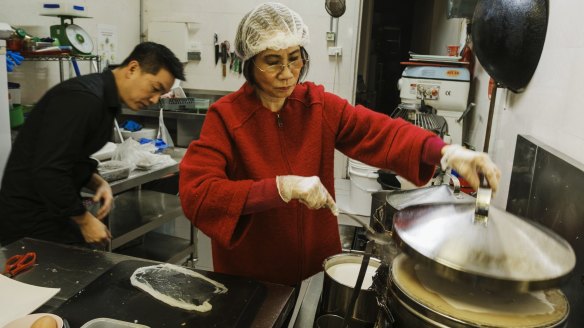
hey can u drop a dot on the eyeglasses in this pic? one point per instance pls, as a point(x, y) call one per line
point(278, 68)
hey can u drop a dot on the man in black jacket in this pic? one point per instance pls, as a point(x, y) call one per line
point(49, 162)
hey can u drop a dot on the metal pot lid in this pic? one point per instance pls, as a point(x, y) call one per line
point(499, 251)
point(440, 194)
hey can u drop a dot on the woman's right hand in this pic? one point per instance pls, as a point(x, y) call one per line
point(470, 164)
point(308, 190)
point(93, 230)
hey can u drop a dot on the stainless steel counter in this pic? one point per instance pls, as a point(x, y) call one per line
point(139, 177)
point(308, 299)
point(150, 112)
point(72, 269)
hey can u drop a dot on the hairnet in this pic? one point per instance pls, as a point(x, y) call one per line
point(269, 26)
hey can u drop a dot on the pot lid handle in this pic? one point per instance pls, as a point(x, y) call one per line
point(484, 194)
point(455, 183)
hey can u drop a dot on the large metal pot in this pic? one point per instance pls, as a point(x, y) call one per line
point(474, 265)
point(340, 272)
point(385, 204)
point(420, 298)
point(497, 251)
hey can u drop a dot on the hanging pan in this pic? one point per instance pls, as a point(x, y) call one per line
point(508, 38)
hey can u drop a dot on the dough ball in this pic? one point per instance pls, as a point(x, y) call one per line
point(45, 322)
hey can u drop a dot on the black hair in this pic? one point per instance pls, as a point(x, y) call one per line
point(153, 56)
point(248, 66)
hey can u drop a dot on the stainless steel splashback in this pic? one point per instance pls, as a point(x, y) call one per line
point(548, 187)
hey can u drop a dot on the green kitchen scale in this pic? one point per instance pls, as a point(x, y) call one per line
point(69, 34)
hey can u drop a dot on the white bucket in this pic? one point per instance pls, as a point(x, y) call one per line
point(363, 184)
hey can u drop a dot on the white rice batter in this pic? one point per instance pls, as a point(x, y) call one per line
point(174, 285)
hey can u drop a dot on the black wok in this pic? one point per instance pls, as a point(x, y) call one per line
point(508, 38)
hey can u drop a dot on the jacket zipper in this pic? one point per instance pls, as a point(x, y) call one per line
point(280, 123)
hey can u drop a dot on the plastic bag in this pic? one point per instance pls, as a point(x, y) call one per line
point(163, 132)
point(158, 143)
point(140, 156)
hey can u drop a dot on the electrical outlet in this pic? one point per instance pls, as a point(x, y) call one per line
point(335, 51)
point(194, 55)
point(330, 36)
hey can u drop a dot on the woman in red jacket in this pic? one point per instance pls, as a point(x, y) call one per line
point(259, 181)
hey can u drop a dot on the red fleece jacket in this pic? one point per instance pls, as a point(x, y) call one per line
point(243, 144)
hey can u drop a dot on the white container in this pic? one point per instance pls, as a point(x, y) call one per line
point(28, 320)
point(76, 8)
point(111, 323)
point(114, 170)
point(14, 96)
point(363, 184)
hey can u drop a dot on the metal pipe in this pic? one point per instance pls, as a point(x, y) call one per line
point(490, 118)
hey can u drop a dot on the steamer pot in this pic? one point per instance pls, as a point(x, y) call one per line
point(497, 251)
point(384, 204)
point(420, 298)
point(456, 255)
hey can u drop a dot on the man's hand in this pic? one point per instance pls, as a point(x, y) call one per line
point(103, 195)
point(93, 230)
point(308, 190)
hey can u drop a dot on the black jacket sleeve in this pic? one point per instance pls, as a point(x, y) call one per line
point(60, 164)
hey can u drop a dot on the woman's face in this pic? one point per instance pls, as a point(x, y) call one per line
point(276, 72)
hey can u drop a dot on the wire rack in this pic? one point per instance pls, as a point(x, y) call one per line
point(428, 121)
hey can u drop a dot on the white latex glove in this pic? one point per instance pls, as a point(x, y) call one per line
point(469, 164)
point(308, 190)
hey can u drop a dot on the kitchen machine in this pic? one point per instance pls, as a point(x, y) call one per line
point(435, 97)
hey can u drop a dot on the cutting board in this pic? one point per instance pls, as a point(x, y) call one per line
point(111, 295)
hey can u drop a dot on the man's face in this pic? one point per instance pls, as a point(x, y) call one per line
point(144, 89)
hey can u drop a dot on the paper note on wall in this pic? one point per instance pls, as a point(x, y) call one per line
point(107, 44)
point(173, 35)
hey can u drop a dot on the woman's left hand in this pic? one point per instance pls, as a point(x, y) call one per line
point(469, 164)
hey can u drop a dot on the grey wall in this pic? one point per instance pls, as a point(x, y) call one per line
point(37, 77)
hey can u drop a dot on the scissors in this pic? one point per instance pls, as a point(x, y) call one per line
point(19, 263)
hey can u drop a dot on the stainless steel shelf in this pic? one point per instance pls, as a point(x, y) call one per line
point(174, 114)
point(34, 57)
point(160, 247)
point(136, 213)
point(138, 178)
point(39, 57)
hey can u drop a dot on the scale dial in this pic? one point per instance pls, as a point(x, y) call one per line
point(79, 39)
